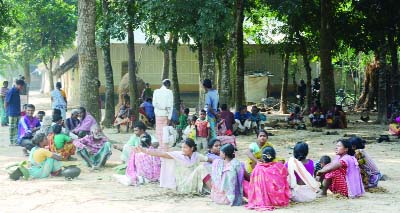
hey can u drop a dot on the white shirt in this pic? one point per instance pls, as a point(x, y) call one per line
point(163, 102)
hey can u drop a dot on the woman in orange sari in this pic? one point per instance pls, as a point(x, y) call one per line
point(268, 186)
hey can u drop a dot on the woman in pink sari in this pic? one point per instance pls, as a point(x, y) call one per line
point(268, 186)
point(142, 167)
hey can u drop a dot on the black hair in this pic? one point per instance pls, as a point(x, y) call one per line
point(149, 99)
point(297, 109)
point(145, 141)
point(41, 113)
point(57, 129)
point(224, 106)
point(211, 143)
point(242, 108)
point(190, 143)
point(203, 111)
point(126, 97)
point(31, 106)
point(325, 159)
point(194, 118)
point(166, 82)
point(39, 137)
point(346, 143)
point(56, 112)
point(269, 154)
point(207, 83)
point(228, 150)
point(82, 109)
point(186, 110)
point(57, 118)
point(358, 142)
point(140, 125)
point(58, 85)
point(262, 131)
point(20, 82)
point(300, 151)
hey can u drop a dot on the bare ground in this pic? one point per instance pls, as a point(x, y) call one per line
point(96, 191)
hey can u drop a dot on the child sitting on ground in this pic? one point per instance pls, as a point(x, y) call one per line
point(203, 130)
point(325, 160)
point(62, 143)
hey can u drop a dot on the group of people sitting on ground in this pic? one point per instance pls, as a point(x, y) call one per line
point(246, 122)
point(146, 110)
point(49, 139)
point(264, 180)
point(335, 118)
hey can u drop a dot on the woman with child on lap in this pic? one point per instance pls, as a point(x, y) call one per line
point(342, 176)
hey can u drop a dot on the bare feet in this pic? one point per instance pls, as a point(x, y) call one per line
point(321, 193)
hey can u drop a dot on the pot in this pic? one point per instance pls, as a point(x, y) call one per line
point(71, 172)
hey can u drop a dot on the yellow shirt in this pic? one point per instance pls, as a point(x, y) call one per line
point(41, 154)
point(63, 94)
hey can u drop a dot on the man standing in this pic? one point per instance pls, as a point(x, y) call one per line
point(59, 100)
point(13, 107)
point(163, 102)
point(211, 107)
point(3, 114)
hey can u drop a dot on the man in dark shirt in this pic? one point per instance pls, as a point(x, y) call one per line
point(13, 107)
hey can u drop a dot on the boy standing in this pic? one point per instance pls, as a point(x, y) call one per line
point(203, 130)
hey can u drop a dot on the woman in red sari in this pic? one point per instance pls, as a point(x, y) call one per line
point(268, 186)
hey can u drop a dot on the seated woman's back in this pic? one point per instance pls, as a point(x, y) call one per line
point(268, 186)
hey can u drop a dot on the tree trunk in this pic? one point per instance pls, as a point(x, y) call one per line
point(225, 91)
point(88, 67)
point(27, 75)
point(394, 93)
point(164, 47)
point(219, 63)
point(240, 98)
point(307, 67)
point(327, 77)
point(382, 87)
point(370, 86)
point(208, 69)
point(285, 79)
point(200, 59)
point(108, 71)
point(175, 81)
point(50, 75)
point(133, 89)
